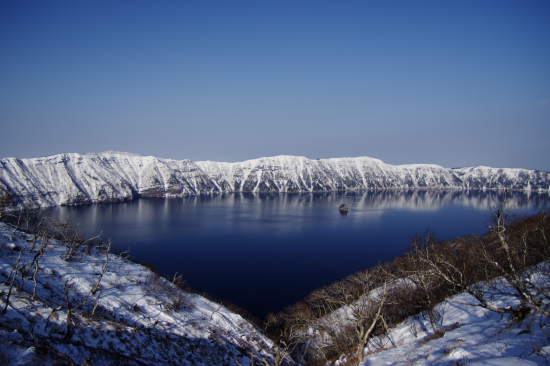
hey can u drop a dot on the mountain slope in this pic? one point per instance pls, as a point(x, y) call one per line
point(90, 307)
point(474, 336)
point(67, 179)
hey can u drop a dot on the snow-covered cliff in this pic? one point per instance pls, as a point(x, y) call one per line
point(299, 174)
point(67, 179)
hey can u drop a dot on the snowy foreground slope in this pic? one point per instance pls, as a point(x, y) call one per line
point(135, 318)
point(67, 179)
point(474, 336)
point(469, 334)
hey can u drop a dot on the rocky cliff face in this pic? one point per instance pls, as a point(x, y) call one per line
point(68, 179)
point(299, 174)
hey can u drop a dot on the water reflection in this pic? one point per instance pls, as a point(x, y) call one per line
point(265, 251)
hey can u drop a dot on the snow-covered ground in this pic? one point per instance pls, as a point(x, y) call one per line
point(474, 336)
point(136, 318)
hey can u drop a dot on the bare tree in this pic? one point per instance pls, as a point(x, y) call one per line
point(11, 280)
point(512, 253)
point(470, 263)
point(367, 312)
point(289, 330)
point(71, 306)
point(414, 271)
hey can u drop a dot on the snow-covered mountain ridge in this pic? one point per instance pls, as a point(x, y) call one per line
point(67, 179)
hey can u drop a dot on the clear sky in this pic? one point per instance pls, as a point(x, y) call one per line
point(454, 83)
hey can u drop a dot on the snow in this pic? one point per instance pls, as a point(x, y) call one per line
point(67, 179)
point(476, 336)
point(471, 334)
point(118, 152)
point(136, 317)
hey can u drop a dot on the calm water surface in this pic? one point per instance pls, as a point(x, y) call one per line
point(264, 252)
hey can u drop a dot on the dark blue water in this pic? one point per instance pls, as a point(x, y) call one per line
point(264, 252)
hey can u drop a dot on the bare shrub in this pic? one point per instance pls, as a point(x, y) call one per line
point(156, 284)
point(179, 300)
point(176, 298)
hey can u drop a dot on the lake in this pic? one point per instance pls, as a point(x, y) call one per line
point(266, 251)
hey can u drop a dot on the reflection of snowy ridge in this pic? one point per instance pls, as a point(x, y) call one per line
point(430, 200)
point(107, 177)
point(371, 202)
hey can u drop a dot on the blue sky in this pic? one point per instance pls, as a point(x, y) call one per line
point(454, 83)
